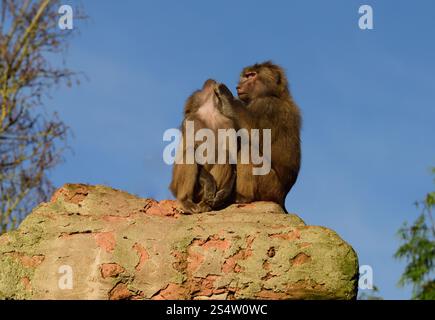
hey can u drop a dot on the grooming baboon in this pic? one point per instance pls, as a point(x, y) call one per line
point(201, 188)
point(263, 88)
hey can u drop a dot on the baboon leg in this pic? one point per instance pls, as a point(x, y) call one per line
point(270, 188)
point(207, 190)
point(245, 184)
point(223, 195)
point(189, 206)
point(208, 186)
point(203, 207)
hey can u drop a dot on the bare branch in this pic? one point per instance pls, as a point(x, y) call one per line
point(31, 142)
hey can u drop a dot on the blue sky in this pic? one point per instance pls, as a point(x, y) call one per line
point(367, 98)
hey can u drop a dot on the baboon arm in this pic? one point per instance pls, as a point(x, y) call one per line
point(222, 196)
point(183, 181)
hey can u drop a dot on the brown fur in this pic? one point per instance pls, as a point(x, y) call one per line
point(263, 88)
point(203, 188)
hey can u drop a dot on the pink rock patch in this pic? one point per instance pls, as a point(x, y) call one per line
point(166, 208)
point(106, 241)
point(143, 256)
point(111, 270)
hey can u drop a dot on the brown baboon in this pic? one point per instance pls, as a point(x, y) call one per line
point(263, 88)
point(201, 188)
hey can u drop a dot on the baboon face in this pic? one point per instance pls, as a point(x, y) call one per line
point(205, 96)
point(206, 104)
point(261, 80)
point(211, 95)
point(207, 93)
point(247, 86)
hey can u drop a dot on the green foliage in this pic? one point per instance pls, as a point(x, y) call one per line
point(418, 250)
point(373, 295)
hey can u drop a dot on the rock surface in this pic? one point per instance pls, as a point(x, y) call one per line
point(94, 242)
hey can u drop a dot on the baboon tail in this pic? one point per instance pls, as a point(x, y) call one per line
point(282, 204)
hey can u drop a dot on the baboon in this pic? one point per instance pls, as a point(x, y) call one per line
point(201, 188)
point(268, 104)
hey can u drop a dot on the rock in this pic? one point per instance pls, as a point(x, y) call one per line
point(94, 242)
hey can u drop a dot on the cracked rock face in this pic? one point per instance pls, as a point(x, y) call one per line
point(94, 242)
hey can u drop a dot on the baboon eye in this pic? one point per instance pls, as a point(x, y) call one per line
point(250, 74)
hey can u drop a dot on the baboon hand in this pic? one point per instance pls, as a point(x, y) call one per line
point(225, 98)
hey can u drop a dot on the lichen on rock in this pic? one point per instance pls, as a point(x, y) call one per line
point(119, 246)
